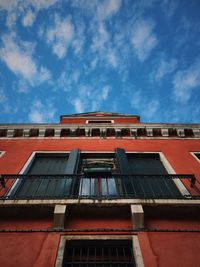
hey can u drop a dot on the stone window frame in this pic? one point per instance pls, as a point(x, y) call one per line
point(134, 238)
point(194, 155)
point(2, 153)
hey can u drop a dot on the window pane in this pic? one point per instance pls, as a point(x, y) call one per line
point(108, 187)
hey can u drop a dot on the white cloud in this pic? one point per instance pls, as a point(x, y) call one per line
point(101, 37)
point(79, 38)
point(164, 67)
point(185, 81)
point(17, 55)
point(105, 91)
point(25, 10)
point(60, 36)
point(108, 8)
point(5, 106)
point(101, 10)
point(67, 80)
point(89, 98)
point(143, 38)
point(146, 107)
point(28, 19)
point(41, 113)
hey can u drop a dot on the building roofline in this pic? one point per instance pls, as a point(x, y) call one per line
point(98, 114)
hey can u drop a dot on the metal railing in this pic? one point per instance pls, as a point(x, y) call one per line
point(15, 186)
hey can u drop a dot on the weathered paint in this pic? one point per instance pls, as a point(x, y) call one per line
point(170, 249)
point(28, 249)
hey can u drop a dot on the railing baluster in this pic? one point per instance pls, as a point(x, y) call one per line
point(74, 186)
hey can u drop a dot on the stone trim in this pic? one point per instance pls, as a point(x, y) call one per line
point(134, 238)
point(137, 216)
point(146, 202)
point(59, 216)
point(133, 129)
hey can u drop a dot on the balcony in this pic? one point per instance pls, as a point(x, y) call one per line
point(42, 187)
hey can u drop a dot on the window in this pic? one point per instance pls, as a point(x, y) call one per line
point(147, 176)
point(98, 170)
point(100, 121)
point(96, 175)
point(89, 253)
point(196, 155)
point(2, 153)
point(40, 177)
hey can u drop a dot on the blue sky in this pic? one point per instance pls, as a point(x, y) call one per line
point(61, 57)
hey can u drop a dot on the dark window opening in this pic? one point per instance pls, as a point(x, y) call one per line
point(91, 253)
point(172, 132)
point(49, 132)
point(34, 132)
point(65, 133)
point(80, 132)
point(100, 121)
point(197, 155)
point(95, 132)
point(188, 132)
point(157, 132)
point(110, 132)
point(18, 133)
point(3, 133)
point(125, 132)
point(141, 132)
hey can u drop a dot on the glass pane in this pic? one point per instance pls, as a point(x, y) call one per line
point(87, 187)
point(108, 187)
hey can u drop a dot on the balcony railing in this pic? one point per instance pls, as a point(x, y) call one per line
point(79, 186)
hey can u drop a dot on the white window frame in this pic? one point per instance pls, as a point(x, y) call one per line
point(2, 153)
point(135, 245)
point(194, 155)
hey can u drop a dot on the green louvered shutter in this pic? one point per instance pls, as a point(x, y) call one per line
point(150, 186)
point(124, 168)
point(50, 187)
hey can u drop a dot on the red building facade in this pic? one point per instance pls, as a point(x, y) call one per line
point(100, 189)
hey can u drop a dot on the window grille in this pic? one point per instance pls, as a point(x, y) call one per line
point(98, 253)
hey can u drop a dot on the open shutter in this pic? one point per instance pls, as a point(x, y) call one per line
point(122, 161)
point(125, 181)
point(72, 168)
point(73, 162)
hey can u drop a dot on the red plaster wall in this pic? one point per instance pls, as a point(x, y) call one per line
point(170, 249)
point(114, 217)
point(28, 249)
point(83, 120)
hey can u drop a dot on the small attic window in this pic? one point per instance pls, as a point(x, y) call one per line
point(99, 121)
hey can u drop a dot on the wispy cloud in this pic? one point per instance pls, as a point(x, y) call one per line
point(40, 113)
point(89, 98)
point(26, 11)
point(108, 8)
point(60, 35)
point(169, 7)
point(162, 68)
point(143, 38)
point(143, 105)
point(186, 80)
point(18, 57)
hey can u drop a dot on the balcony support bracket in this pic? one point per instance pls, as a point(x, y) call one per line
point(137, 215)
point(59, 216)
